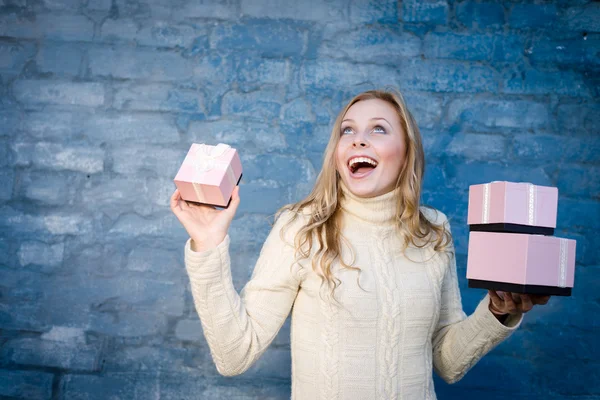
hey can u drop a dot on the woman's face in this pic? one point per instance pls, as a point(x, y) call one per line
point(371, 150)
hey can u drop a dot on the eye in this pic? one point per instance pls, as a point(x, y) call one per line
point(379, 129)
point(346, 131)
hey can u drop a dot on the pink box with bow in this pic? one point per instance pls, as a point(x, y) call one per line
point(513, 203)
point(209, 174)
point(521, 263)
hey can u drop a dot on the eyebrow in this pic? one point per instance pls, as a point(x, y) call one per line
point(372, 119)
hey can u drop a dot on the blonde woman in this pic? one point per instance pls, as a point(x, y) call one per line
point(368, 273)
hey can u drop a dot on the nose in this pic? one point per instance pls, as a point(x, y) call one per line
point(359, 143)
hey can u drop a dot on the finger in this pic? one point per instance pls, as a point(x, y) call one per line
point(510, 305)
point(174, 202)
point(235, 202)
point(540, 299)
point(496, 300)
point(526, 303)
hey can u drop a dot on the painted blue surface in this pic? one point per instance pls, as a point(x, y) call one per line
point(100, 100)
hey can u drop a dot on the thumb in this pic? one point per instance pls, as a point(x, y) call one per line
point(235, 202)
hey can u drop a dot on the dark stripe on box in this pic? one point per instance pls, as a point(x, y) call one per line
point(512, 228)
point(519, 288)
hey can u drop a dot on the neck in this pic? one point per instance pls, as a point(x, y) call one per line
point(379, 210)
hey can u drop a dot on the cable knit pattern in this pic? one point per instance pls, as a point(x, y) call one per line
point(330, 338)
point(382, 343)
point(389, 321)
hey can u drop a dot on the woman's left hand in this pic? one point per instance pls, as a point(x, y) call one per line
point(503, 303)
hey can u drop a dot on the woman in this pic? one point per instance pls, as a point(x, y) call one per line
point(369, 274)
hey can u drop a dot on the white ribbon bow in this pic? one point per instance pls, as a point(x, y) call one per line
point(205, 157)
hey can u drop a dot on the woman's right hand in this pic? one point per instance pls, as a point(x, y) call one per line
point(206, 225)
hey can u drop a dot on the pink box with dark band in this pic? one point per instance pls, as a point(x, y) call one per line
point(209, 174)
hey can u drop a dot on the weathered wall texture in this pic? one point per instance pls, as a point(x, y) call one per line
point(101, 99)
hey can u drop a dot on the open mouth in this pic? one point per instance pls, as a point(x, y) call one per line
point(361, 165)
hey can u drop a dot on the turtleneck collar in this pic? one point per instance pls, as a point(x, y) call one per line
point(375, 210)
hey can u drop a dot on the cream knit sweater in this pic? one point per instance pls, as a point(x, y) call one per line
point(382, 343)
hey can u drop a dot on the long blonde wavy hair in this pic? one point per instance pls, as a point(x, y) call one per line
point(322, 236)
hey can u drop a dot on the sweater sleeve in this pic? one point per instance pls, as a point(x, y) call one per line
point(239, 328)
point(460, 341)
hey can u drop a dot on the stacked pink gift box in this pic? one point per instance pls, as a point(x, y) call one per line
point(209, 174)
point(511, 247)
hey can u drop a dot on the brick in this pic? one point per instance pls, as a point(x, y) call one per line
point(269, 38)
point(252, 137)
point(140, 385)
point(533, 16)
point(142, 128)
point(261, 105)
point(480, 15)
point(159, 225)
point(157, 97)
point(99, 5)
point(336, 74)
point(579, 118)
point(14, 56)
point(62, 4)
point(446, 76)
point(106, 294)
point(227, 9)
point(40, 253)
point(567, 83)
point(478, 146)
point(7, 179)
point(58, 157)
point(578, 213)
point(155, 261)
point(215, 69)
point(373, 11)
point(376, 45)
point(583, 18)
point(47, 353)
point(298, 110)
point(574, 52)
point(133, 63)
point(425, 108)
point(282, 169)
point(130, 324)
point(521, 114)
point(263, 71)
point(189, 330)
point(26, 384)
point(47, 224)
point(48, 26)
point(156, 34)
point(465, 174)
point(162, 358)
point(64, 334)
point(59, 59)
point(261, 198)
point(311, 10)
point(53, 125)
point(11, 121)
point(49, 188)
point(103, 260)
point(427, 11)
point(32, 92)
point(435, 142)
point(132, 160)
point(553, 148)
point(470, 46)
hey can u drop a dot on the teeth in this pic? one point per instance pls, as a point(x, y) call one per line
point(362, 159)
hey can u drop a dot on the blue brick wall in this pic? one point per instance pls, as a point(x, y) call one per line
point(99, 101)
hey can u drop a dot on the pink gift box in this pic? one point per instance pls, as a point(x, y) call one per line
point(209, 174)
point(513, 203)
point(521, 263)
